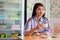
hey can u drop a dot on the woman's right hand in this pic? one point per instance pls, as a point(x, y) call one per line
point(39, 26)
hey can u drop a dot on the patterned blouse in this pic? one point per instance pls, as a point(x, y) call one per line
point(33, 22)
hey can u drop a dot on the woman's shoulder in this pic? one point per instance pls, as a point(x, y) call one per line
point(45, 18)
point(30, 19)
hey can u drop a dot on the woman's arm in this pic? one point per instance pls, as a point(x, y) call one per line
point(30, 32)
point(28, 28)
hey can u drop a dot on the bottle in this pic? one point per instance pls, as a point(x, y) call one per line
point(2, 35)
point(5, 36)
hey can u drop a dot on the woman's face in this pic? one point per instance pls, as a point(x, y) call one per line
point(40, 11)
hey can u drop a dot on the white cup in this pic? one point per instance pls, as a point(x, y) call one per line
point(45, 25)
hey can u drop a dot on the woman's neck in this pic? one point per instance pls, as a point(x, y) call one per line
point(38, 17)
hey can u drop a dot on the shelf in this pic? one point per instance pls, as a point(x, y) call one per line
point(14, 1)
point(13, 19)
point(8, 30)
point(10, 9)
point(4, 18)
point(2, 8)
point(3, 0)
point(10, 18)
point(18, 38)
point(9, 39)
point(1, 4)
point(12, 4)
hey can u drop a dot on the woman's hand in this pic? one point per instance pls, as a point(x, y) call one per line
point(39, 26)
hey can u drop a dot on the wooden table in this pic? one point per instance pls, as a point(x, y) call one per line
point(39, 38)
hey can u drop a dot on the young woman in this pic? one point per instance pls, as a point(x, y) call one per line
point(38, 24)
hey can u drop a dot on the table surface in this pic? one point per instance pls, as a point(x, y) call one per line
point(39, 38)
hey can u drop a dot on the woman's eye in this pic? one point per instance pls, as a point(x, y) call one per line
point(39, 9)
point(42, 9)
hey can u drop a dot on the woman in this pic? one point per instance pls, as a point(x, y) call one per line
point(38, 24)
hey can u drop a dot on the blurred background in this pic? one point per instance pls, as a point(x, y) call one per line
point(11, 19)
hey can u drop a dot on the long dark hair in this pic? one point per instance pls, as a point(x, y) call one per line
point(35, 7)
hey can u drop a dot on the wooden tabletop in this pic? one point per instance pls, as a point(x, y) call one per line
point(39, 38)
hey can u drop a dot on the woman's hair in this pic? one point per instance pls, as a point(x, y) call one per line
point(35, 7)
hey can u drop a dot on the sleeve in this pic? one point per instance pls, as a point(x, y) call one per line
point(46, 24)
point(28, 26)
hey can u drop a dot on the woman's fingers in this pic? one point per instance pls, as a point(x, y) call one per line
point(39, 26)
